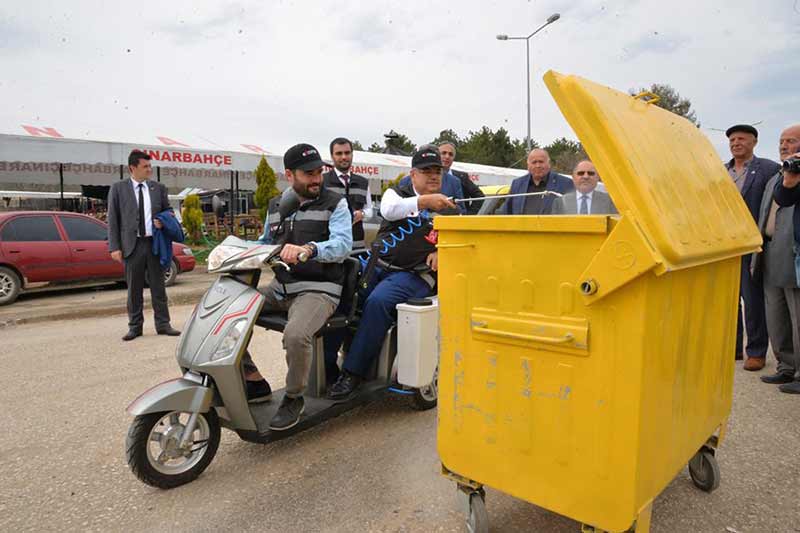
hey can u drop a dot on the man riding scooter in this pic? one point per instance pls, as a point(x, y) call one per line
point(320, 229)
point(406, 244)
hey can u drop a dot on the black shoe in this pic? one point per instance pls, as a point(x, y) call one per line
point(288, 414)
point(790, 388)
point(258, 391)
point(345, 387)
point(132, 334)
point(778, 378)
point(169, 330)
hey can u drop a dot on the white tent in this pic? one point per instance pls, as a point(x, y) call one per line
point(42, 157)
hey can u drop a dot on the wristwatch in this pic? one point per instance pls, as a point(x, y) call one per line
point(313, 250)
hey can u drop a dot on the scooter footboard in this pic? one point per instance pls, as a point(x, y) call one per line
point(178, 394)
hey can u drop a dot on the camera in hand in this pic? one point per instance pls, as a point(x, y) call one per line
point(792, 165)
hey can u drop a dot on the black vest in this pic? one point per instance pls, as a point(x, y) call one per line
point(308, 223)
point(406, 243)
point(356, 195)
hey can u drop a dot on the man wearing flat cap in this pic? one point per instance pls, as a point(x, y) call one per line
point(750, 174)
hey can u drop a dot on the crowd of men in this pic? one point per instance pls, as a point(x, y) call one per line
point(327, 227)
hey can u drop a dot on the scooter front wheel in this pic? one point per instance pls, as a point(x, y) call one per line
point(427, 397)
point(154, 452)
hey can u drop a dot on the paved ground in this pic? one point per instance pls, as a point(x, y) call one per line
point(65, 385)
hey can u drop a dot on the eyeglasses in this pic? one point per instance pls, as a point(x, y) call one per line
point(586, 173)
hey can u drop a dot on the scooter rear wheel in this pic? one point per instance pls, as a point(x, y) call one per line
point(426, 398)
point(153, 452)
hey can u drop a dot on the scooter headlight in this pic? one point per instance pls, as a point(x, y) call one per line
point(228, 344)
point(219, 254)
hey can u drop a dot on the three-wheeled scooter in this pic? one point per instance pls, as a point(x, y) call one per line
point(176, 429)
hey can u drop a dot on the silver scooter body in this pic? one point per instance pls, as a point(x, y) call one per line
point(211, 392)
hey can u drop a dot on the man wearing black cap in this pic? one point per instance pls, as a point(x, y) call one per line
point(401, 273)
point(750, 174)
point(321, 229)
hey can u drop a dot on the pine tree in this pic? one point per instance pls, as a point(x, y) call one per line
point(266, 188)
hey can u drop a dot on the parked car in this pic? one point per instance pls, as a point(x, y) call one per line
point(62, 248)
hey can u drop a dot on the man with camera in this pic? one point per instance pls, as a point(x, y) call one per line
point(787, 194)
point(775, 265)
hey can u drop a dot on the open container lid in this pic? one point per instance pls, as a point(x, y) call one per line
point(661, 172)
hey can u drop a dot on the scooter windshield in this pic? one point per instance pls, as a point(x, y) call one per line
point(236, 254)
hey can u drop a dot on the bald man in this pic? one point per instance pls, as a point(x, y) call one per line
point(776, 264)
point(540, 178)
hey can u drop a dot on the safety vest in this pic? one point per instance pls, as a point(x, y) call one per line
point(356, 195)
point(309, 223)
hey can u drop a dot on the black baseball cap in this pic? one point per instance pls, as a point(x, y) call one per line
point(302, 157)
point(745, 128)
point(426, 156)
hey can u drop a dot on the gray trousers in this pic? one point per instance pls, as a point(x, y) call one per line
point(783, 313)
point(140, 263)
point(307, 313)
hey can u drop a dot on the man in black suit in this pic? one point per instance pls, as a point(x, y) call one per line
point(132, 206)
point(353, 187)
point(750, 174)
point(448, 153)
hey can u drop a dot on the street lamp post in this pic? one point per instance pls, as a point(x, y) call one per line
point(551, 19)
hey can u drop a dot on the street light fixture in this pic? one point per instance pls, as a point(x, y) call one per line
point(503, 37)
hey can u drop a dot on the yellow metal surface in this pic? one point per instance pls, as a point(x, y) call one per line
point(588, 404)
point(660, 168)
point(494, 190)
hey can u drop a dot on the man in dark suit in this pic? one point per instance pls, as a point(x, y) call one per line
point(132, 206)
point(585, 199)
point(470, 189)
point(353, 187)
point(538, 179)
point(750, 174)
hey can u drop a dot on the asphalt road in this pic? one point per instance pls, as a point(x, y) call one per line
point(65, 385)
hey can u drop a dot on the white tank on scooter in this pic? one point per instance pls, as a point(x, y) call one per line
point(417, 341)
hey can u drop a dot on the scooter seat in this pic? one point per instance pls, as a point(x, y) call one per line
point(277, 322)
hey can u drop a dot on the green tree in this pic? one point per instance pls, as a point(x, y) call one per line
point(392, 183)
point(394, 143)
point(565, 154)
point(192, 217)
point(266, 187)
point(447, 136)
point(488, 147)
point(669, 99)
point(357, 146)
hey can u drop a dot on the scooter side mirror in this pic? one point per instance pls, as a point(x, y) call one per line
point(288, 203)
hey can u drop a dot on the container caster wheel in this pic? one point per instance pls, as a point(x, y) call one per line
point(704, 470)
point(477, 517)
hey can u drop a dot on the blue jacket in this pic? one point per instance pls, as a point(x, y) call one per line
point(163, 238)
point(451, 187)
point(758, 174)
point(555, 182)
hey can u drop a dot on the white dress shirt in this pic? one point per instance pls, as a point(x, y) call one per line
point(395, 207)
point(148, 211)
point(579, 196)
point(367, 209)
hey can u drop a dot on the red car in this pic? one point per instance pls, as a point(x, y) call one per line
point(60, 247)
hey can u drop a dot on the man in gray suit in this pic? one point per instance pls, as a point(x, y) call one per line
point(776, 264)
point(132, 206)
point(585, 199)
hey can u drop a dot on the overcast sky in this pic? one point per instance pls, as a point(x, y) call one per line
point(276, 73)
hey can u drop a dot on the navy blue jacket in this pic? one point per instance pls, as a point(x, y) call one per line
point(758, 174)
point(451, 187)
point(786, 198)
point(555, 182)
point(163, 238)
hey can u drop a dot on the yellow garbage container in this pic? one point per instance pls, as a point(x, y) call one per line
point(585, 360)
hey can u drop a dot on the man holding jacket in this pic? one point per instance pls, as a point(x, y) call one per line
point(133, 205)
